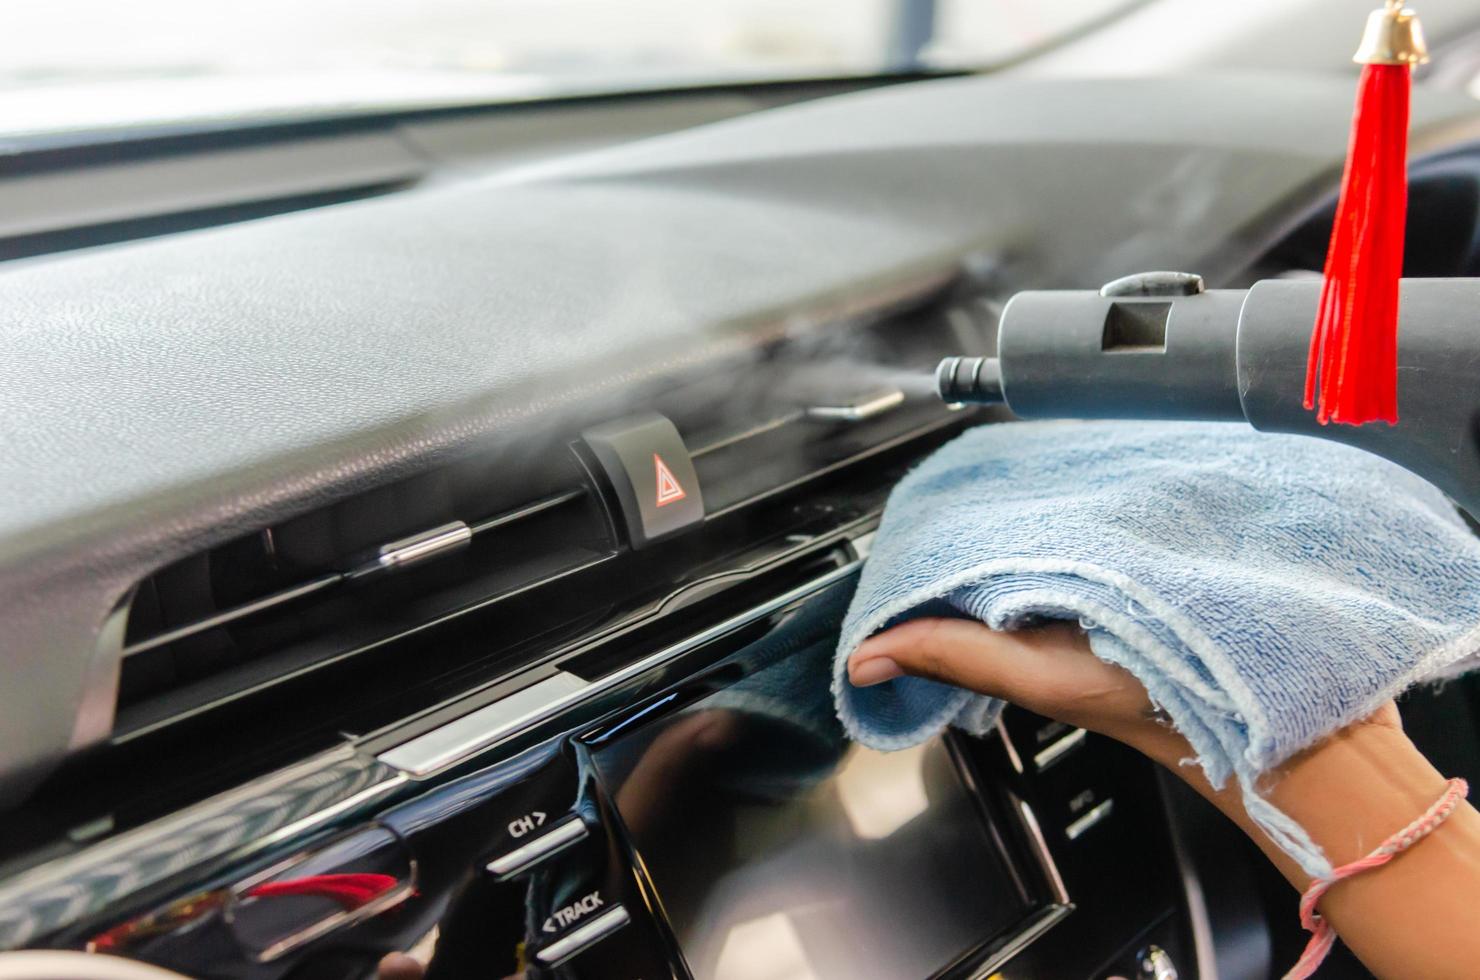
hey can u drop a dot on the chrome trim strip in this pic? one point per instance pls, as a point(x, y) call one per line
point(1080, 827)
point(1012, 752)
point(1042, 853)
point(1057, 750)
point(485, 727)
point(527, 855)
point(584, 936)
point(491, 723)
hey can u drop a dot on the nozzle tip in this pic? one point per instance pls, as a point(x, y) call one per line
point(975, 380)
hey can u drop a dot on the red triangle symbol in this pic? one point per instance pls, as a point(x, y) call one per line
point(669, 490)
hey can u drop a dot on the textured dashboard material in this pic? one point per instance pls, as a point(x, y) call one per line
point(161, 397)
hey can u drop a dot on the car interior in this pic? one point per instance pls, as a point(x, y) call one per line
point(427, 525)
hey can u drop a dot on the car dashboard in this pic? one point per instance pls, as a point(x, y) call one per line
point(455, 572)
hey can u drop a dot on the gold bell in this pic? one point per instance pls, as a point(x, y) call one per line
point(1393, 37)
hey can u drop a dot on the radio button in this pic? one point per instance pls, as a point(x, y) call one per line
point(584, 936)
point(1059, 748)
point(536, 849)
point(1095, 815)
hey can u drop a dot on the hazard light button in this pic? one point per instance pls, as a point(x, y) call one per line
point(651, 473)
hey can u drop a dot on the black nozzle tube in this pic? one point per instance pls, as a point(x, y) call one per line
point(1233, 355)
point(969, 380)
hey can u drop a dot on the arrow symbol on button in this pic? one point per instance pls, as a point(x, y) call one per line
point(550, 924)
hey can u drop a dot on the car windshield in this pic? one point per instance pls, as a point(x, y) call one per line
point(82, 64)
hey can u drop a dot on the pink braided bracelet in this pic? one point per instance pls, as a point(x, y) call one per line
point(1323, 937)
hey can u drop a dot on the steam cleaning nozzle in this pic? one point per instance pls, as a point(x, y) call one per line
point(973, 380)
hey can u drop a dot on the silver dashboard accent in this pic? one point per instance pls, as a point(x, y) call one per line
point(485, 727)
point(527, 855)
point(458, 739)
point(1041, 851)
point(584, 936)
point(1012, 753)
point(1081, 826)
point(1058, 749)
point(424, 546)
point(868, 406)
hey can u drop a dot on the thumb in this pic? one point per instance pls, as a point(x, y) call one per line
point(1024, 666)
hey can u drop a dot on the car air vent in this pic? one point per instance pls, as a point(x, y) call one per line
point(823, 401)
point(512, 537)
point(299, 595)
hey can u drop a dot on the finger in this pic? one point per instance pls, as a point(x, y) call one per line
point(1026, 666)
point(399, 966)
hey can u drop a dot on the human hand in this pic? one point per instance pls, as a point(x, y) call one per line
point(1048, 669)
point(1412, 917)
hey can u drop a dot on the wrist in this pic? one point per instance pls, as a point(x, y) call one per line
point(1355, 788)
point(1413, 916)
point(1348, 791)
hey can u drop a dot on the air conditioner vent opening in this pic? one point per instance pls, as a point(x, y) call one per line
point(442, 553)
point(285, 600)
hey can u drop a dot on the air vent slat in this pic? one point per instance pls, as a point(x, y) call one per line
point(519, 514)
point(322, 582)
point(236, 613)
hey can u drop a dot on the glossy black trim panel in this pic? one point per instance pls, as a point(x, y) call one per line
point(460, 740)
point(276, 809)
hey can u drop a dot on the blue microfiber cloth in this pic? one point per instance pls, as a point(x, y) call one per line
point(1266, 589)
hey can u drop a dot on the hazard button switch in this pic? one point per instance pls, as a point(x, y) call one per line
point(652, 474)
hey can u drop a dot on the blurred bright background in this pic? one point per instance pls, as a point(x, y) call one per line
point(92, 61)
point(77, 64)
point(56, 41)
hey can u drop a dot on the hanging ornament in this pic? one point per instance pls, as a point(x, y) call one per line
point(1352, 374)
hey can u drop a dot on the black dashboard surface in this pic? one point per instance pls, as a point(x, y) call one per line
point(165, 396)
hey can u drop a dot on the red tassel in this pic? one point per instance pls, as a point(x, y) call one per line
point(1352, 373)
